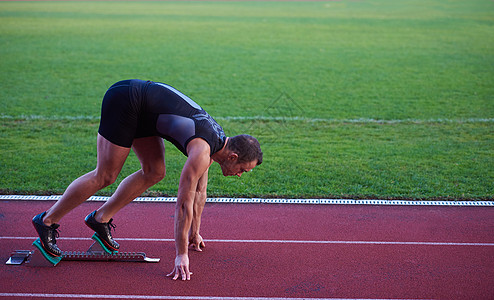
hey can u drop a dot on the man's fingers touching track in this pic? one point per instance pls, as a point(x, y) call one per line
point(185, 273)
point(197, 246)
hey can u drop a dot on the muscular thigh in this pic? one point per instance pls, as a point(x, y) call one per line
point(111, 157)
point(151, 153)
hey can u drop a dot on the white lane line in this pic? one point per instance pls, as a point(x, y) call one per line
point(272, 201)
point(273, 241)
point(88, 296)
point(354, 242)
point(356, 120)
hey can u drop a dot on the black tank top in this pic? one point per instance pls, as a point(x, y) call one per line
point(174, 116)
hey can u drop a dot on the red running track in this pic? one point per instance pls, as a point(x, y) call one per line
point(267, 251)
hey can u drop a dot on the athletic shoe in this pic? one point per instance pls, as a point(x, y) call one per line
point(103, 230)
point(47, 235)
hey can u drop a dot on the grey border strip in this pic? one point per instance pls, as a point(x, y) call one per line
point(274, 201)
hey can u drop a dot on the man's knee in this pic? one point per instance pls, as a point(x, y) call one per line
point(105, 179)
point(155, 174)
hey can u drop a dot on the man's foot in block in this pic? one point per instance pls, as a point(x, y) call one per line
point(47, 235)
point(103, 230)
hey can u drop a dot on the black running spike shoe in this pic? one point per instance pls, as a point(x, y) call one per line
point(103, 230)
point(47, 235)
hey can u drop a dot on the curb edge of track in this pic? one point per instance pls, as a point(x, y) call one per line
point(274, 201)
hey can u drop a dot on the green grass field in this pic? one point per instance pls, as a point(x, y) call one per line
point(349, 99)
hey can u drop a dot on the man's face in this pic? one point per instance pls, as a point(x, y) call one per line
point(233, 168)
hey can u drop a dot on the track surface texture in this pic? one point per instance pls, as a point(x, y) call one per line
point(274, 251)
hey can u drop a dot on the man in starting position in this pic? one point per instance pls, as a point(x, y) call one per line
point(138, 114)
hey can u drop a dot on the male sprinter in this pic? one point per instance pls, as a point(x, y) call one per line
point(137, 114)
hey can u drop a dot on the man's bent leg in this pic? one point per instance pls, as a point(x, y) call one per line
point(109, 164)
point(151, 153)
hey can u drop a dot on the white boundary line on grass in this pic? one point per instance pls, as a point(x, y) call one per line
point(273, 201)
point(274, 119)
point(358, 120)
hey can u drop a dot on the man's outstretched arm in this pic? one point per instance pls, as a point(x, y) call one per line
point(195, 239)
point(196, 165)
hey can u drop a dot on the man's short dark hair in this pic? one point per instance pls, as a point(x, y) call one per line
point(246, 147)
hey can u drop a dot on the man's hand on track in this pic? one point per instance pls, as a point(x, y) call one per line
point(181, 268)
point(196, 242)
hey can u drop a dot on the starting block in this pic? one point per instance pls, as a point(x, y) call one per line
point(96, 252)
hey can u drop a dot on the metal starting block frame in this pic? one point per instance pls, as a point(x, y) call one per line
point(34, 258)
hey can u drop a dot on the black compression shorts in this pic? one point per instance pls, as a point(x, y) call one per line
point(120, 114)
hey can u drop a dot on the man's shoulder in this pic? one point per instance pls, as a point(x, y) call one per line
point(198, 147)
